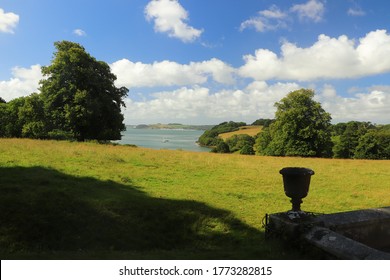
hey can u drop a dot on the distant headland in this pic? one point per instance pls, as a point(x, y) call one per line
point(171, 126)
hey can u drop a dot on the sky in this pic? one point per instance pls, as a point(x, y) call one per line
point(209, 61)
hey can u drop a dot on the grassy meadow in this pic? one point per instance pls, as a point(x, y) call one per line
point(63, 200)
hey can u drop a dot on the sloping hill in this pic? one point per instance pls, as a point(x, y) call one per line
point(249, 130)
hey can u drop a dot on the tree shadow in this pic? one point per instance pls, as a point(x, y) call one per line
point(48, 214)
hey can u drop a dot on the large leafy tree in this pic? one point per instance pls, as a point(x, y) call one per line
point(301, 128)
point(80, 97)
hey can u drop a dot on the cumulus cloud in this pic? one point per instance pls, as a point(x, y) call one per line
point(24, 81)
point(328, 58)
point(8, 21)
point(202, 105)
point(79, 32)
point(170, 17)
point(371, 105)
point(169, 73)
point(312, 10)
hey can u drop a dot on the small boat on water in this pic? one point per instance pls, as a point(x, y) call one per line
point(165, 140)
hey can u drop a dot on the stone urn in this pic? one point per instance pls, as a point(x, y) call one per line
point(296, 181)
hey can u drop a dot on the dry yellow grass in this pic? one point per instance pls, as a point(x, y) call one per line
point(249, 130)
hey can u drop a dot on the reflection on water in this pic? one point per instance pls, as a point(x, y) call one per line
point(163, 139)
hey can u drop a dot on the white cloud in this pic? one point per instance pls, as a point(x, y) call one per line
point(274, 18)
point(258, 23)
point(164, 73)
point(273, 12)
point(79, 32)
point(312, 10)
point(170, 17)
point(372, 105)
point(8, 21)
point(270, 19)
point(220, 71)
point(328, 58)
point(169, 73)
point(24, 82)
point(201, 105)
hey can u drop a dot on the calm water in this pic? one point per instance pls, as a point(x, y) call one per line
point(163, 139)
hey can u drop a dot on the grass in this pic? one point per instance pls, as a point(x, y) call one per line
point(249, 130)
point(62, 200)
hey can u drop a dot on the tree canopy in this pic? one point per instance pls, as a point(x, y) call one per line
point(301, 128)
point(78, 100)
point(80, 97)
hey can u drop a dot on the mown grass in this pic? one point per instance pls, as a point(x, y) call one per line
point(67, 200)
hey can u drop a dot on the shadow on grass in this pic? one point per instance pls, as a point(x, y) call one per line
point(46, 214)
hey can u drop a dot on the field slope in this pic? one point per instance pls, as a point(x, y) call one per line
point(83, 200)
point(249, 130)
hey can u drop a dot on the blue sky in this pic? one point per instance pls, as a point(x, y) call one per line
point(208, 61)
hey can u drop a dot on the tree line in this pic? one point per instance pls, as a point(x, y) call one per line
point(303, 128)
point(77, 101)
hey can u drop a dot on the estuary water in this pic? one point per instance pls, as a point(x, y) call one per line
point(172, 139)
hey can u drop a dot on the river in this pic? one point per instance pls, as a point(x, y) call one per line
point(172, 139)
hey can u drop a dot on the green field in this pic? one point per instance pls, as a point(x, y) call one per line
point(248, 130)
point(63, 200)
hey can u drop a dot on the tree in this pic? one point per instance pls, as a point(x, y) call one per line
point(221, 147)
point(375, 144)
point(263, 122)
point(80, 97)
point(3, 120)
point(247, 150)
point(301, 128)
point(347, 137)
point(11, 123)
point(236, 143)
point(32, 117)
